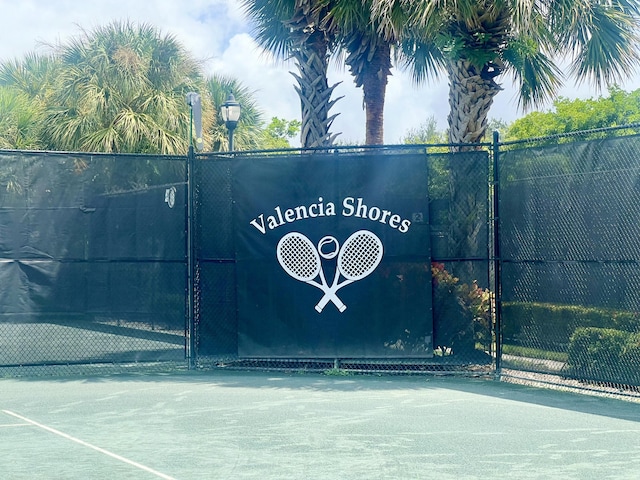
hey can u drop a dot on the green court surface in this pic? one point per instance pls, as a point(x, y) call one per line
point(236, 425)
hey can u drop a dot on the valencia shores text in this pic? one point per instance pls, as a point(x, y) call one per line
point(351, 207)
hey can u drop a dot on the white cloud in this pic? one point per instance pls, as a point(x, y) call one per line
point(271, 81)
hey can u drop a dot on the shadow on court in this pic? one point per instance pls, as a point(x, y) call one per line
point(273, 425)
point(582, 403)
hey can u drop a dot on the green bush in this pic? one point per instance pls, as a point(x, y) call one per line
point(461, 313)
point(604, 354)
point(550, 326)
point(630, 360)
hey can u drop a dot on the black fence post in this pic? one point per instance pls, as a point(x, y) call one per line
point(497, 282)
point(191, 267)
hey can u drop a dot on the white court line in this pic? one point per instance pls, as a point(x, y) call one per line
point(88, 445)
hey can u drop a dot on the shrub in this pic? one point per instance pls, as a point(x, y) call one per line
point(630, 360)
point(550, 326)
point(462, 313)
point(604, 354)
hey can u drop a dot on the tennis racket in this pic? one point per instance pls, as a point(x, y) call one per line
point(360, 255)
point(300, 259)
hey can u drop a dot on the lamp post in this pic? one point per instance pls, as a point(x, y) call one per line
point(230, 112)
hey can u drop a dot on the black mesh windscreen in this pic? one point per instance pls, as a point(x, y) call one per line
point(93, 257)
point(569, 229)
point(246, 277)
point(216, 319)
point(446, 203)
point(570, 223)
point(459, 226)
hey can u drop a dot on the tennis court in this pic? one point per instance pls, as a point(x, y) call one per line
point(226, 425)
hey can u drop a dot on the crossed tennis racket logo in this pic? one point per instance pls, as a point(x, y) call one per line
point(360, 254)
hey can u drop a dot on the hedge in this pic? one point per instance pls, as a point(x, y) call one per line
point(604, 354)
point(550, 326)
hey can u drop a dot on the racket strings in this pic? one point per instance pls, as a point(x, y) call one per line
point(299, 257)
point(361, 254)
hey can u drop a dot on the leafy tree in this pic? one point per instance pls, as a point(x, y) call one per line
point(427, 133)
point(276, 135)
point(248, 133)
point(121, 88)
point(25, 88)
point(293, 28)
point(475, 42)
point(617, 109)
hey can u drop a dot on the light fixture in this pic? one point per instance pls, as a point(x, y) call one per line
point(230, 113)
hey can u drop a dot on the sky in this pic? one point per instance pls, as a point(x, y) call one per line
point(217, 32)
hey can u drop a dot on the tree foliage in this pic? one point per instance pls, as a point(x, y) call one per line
point(248, 133)
point(427, 133)
point(475, 42)
point(617, 109)
point(121, 88)
point(117, 88)
point(278, 133)
point(20, 120)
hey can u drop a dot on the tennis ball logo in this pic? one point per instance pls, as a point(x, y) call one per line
point(358, 257)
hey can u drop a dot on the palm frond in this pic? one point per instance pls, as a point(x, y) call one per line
point(606, 47)
point(269, 24)
point(249, 132)
point(423, 59)
point(537, 76)
point(118, 86)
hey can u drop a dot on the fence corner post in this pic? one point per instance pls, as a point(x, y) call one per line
point(191, 266)
point(497, 282)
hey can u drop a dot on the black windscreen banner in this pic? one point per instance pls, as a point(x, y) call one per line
point(333, 256)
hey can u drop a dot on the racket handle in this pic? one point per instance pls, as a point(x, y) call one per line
point(330, 296)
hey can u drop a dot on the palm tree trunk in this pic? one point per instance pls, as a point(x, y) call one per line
point(369, 62)
point(315, 94)
point(470, 97)
point(374, 87)
point(310, 52)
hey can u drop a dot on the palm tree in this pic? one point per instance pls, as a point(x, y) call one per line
point(248, 134)
point(368, 55)
point(25, 89)
point(121, 88)
point(475, 42)
point(20, 120)
point(34, 75)
point(293, 28)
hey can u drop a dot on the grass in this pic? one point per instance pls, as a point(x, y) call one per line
point(537, 353)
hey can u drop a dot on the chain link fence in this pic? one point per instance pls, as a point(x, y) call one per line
point(570, 257)
point(215, 321)
point(92, 261)
point(457, 278)
point(533, 261)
